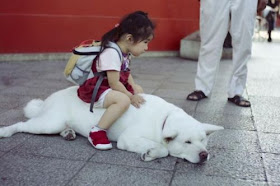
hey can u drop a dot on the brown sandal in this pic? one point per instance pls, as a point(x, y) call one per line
point(196, 96)
point(240, 101)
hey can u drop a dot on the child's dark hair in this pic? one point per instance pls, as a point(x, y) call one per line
point(137, 24)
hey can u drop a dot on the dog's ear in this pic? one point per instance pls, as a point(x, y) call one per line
point(169, 134)
point(209, 128)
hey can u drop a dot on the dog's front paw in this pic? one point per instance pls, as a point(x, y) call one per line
point(68, 134)
point(147, 156)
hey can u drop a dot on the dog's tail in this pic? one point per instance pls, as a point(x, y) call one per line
point(33, 108)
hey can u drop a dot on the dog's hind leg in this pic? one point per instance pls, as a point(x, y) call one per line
point(9, 130)
point(68, 134)
point(39, 125)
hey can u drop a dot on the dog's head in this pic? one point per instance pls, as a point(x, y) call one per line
point(186, 137)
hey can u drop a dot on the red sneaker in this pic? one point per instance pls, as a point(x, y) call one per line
point(99, 140)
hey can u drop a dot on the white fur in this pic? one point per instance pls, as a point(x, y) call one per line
point(33, 108)
point(155, 130)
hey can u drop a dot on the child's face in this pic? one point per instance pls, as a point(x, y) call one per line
point(140, 47)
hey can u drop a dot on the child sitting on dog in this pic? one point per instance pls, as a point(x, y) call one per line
point(118, 90)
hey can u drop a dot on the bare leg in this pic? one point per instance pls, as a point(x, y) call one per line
point(116, 103)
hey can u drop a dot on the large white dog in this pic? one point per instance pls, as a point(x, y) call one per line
point(155, 130)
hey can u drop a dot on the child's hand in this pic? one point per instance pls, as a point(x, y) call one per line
point(137, 100)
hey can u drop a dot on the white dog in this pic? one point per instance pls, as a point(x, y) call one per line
point(155, 130)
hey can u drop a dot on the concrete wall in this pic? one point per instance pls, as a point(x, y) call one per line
point(40, 26)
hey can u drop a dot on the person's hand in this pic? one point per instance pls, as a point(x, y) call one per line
point(137, 100)
point(261, 5)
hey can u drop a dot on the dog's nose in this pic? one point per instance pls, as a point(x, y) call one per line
point(203, 156)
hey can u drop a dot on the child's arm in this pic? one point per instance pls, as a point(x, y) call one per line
point(137, 88)
point(115, 84)
point(136, 100)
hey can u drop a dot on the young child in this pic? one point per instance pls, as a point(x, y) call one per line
point(118, 90)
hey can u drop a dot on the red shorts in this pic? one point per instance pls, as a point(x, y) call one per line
point(85, 90)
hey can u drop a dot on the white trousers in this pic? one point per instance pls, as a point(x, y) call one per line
point(217, 17)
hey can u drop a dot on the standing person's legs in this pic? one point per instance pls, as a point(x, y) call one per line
point(243, 14)
point(271, 21)
point(214, 24)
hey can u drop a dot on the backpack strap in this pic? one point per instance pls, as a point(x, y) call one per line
point(95, 90)
point(103, 74)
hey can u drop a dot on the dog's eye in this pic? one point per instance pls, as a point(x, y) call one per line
point(188, 142)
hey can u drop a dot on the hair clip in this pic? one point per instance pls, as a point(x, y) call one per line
point(117, 25)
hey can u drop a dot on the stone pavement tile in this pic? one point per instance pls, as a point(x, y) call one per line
point(152, 68)
point(187, 106)
point(265, 68)
point(223, 76)
point(2, 88)
point(11, 79)
point(57, 147)
point(53, 76)
point(156, 66)
point(264, 87)
point(187, 66)
point(143, 61)
point(196, 179)
point(12, 101)
point(12, 116)
point(228, 163)
point(8, 68)
point(212, 106)
point(148, 83)
point(18, 71)
point(149, 77)
point(228, 121)
point(116, 175)
point(177, 86)
point(267, 124)
point(270, 142)
point(221, 85)
point(131, 159)
point(237, 140)
point(7, 144)
point(265, 50)
point(2, 153)
point(171, 93)
point(265, 106)
point(48, 66)
point(184, 78)
point(56, 85)
point(19, 169)
point(273, 184)
point(272, 167)
point(149, 90)
point(33, 92)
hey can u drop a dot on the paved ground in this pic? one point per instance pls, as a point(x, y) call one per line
point(247, 152)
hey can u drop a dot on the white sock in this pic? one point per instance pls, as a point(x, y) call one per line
point(96, 128)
